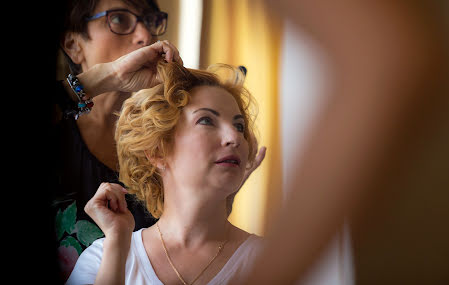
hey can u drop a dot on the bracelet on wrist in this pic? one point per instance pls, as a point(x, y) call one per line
point(84, 106)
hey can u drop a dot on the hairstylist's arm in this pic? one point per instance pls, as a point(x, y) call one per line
point(109, 211)
point(129, 73)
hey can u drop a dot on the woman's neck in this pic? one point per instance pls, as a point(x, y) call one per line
point(190, 222)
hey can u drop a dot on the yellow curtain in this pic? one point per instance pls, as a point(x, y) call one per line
point(244, 32)
point(172, 8)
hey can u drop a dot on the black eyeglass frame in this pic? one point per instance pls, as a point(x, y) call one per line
point(138, 19)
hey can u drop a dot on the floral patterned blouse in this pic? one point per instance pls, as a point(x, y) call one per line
point(78, 176)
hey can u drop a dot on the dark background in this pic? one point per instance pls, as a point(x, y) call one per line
point(29, 48)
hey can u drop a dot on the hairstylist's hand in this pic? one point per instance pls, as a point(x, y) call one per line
point(137, 70)
point(130, 73)
point(109, 211)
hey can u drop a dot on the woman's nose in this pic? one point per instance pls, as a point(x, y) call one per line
point(142, 35)
point(231, 137)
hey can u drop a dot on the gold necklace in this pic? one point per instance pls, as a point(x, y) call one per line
point(220, 248)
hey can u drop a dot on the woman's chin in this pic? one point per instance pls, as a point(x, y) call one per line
point(228, 186)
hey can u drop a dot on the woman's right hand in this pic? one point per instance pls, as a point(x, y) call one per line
point(109, 211)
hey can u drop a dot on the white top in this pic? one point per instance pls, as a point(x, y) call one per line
point(140, 271)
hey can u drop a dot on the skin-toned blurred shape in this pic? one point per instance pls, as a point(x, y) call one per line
point(378, 152)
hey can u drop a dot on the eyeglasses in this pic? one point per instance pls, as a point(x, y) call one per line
point(124, 22)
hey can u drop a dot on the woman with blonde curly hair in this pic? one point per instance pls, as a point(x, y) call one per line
point(183, 149)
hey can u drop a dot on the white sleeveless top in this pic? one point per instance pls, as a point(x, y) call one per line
point(140, 271)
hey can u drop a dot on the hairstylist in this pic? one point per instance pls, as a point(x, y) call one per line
point(112, 49)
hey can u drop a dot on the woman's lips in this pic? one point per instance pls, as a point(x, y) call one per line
point(229, 161)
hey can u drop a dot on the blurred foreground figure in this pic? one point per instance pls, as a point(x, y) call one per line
point(378, 155)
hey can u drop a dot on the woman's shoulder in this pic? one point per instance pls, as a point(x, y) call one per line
point(253, 243)
point(94, 252)
point(255, 239)
point(247, 241)
point(88, 263)
point(242, 234)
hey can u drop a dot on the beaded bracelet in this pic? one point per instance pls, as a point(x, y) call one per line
point(84, 106)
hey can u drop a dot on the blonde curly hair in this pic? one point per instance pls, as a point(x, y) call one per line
point(148, 118)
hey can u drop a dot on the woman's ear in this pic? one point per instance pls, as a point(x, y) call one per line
point(157, 161)
point(71, 44)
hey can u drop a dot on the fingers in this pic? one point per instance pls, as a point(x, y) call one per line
point(108, 195)
point(147, 56)
point(260, 157)
point(169, 51)
point(257, 161)
point(115, 195)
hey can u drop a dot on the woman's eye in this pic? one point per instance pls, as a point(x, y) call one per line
point(205, 121)
point(240, 127)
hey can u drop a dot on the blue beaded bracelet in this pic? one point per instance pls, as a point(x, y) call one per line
point(84, 106)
